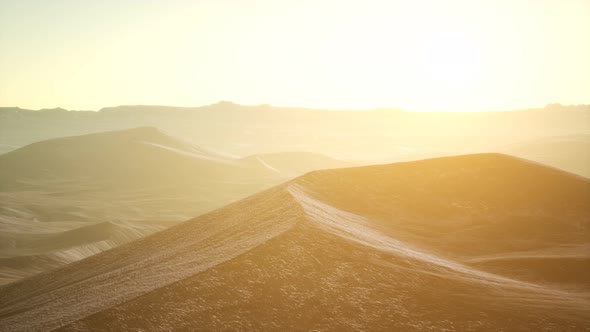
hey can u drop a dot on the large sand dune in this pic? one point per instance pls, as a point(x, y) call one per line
point(394, 247)
point(68, 198)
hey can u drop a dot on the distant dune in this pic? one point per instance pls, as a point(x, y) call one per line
point(293, 163)
point(126, 158)
point(26, 254)
point(68, 198)
point(400, 247)
point(570, 153)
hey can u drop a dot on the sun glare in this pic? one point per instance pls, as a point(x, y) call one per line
point(422, 55)
point(372, 59)
point(450, 60)
point(295, 165)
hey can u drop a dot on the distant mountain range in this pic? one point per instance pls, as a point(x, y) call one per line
point(473, 242)
point(570, 153)
point(366, 136)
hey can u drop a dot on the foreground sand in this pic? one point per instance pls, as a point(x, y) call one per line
point(427, 245)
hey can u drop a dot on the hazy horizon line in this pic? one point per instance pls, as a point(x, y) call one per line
point(547, 106)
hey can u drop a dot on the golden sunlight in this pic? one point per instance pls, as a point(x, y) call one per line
point(295, 165)
point(450, 60)
point(417, 55)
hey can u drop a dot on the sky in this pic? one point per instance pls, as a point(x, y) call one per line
point(418, 55)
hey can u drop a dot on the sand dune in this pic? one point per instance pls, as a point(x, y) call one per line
point(23, 254)
point(121, 159)
point(68, 198)
point(391, 247)
point(291, 164)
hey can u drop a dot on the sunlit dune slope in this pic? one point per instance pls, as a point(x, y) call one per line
point(390, 247)
point(483, 207)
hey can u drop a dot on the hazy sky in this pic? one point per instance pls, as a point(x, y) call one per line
point(417, 55)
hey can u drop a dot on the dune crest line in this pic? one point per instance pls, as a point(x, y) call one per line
point(355, 228)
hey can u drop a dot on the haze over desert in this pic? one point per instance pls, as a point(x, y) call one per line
point(294, 165)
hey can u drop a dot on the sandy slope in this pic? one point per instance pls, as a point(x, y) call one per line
point(392, 247)
point(23, 254)
point(291, 164)
point(68, 198)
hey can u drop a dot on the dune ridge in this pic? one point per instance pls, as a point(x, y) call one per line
point(363, 258)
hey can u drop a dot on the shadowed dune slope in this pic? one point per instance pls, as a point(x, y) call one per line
point(137, 174)
point(26, 254)
point(30, 244)
point(122, 159)
point(390, 247)
point(68, 198)
point(293, 163)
